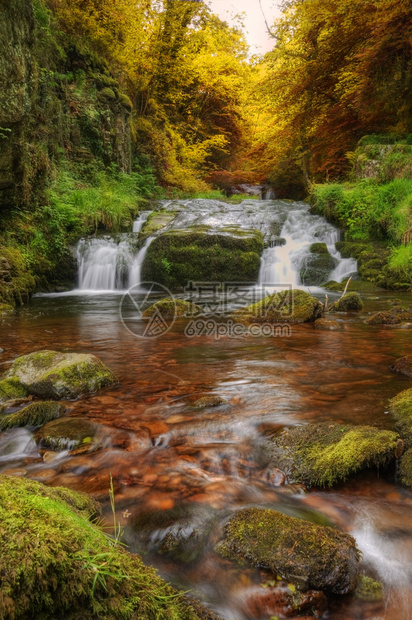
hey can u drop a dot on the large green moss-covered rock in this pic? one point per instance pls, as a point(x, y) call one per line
point(50, 374)
point(35, 414)
point(400, 407)
point(177, 257)
point(56, 563)
point(308, 555)
point(284, 307)
point(327, 453)
point(10, 389)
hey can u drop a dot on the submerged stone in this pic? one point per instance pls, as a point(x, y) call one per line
point(10, 389)
point(67, 433)
point(35, 414)
point(327, 324)
point(327, 453)
point(172, 308)
point(349, 303)
point(51, 552)
point(308, 555)
point(209, 401)
point(177, 257)
point(287, 306)
point(403, 365)
point(51, 374)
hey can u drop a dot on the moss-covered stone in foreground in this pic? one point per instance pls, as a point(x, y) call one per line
point(327, 453)
point(308, 555)
point(10, 389)
point(172, 308)
point(35, 414)
point(67, 433)
point(51, 553)
point(197, 254)
point(284, 307)
point(51, 374)
point(368, 589)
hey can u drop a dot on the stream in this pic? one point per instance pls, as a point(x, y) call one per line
point(182, 471)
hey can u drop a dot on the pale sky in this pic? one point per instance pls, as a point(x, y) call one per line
point(256, 32)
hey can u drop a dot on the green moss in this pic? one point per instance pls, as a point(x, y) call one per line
point(53, 553)
point(319, 248)
point(6, 309)
point(35, 414)
point(177, 257)
point(316, 268)
point(51, 374)
point(400, 407)
point(126, 101)
point(284, 307)
point(308, 555)
point(384, 318)
point(349, 303)
point(172, 308)
point(405, 469)
point(157, 221)
point(327, 453)
point(11, 389)
point(368, 589)
point(360, 286)
point(108, 93)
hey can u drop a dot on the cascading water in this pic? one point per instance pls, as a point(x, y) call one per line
point(109, 265)
point(106, 264)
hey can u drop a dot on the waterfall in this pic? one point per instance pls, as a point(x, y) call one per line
point(285, 258)
point(142, 219)
point(135, 277)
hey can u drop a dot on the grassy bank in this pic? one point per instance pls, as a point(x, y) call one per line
point(374, 209)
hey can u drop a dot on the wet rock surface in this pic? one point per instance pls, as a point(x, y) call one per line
point(403, 365)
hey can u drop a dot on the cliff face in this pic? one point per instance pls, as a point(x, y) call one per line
point(16, 79)
point(56, 100)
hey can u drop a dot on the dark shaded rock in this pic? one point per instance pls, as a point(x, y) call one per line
point(284, 307)
point(327, 453)
point(403, 365)
point(67, 433)
point(327, 324)
point(317, 267)
point(51, 374)
point(308, 555)
point(349, 303)
point(35, 414)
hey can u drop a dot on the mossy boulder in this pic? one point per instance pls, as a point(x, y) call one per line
point(6, 309)
point(156, 221)
point(351, 302)
point(172, 308)
point(50, 374)
point(35, 414)
point(325, 454)
point(11, 389)
point(316, 267)
point(284, 307)
point(384, 318)
point(327, 325)
point(57, 563)
point(67, 434)
point(403, 365)
point(400, 407)
point(405, 469)
point(177, 257)
point(308, 555)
